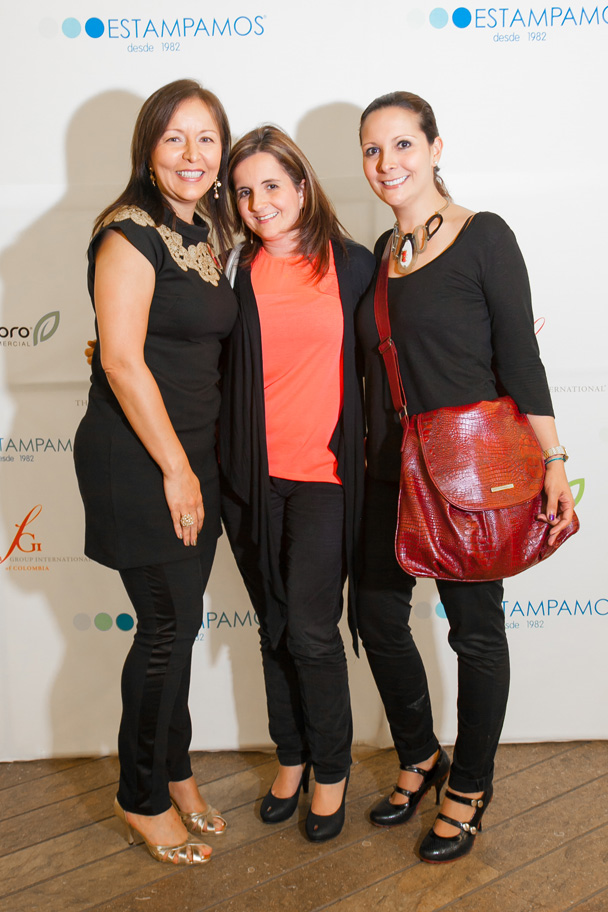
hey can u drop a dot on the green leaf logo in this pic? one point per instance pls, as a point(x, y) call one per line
point(581, 489)
point(46, 327)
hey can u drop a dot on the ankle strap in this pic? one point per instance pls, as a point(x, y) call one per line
point(402, 791)
point(416, 769)
point(461, 799)
point(467, 827)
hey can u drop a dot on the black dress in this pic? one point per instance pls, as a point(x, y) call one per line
point(193, 309)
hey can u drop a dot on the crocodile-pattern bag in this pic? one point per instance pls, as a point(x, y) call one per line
point(471, 482)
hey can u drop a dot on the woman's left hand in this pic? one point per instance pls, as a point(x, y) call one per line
point(560, 502)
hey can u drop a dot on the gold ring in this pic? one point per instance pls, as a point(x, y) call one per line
point(186, 520)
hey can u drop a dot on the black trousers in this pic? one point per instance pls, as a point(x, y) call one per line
point(306, 677)
point(477, 635)
point(155, 729)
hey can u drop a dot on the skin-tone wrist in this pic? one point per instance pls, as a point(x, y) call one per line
point(556, 465)
point(545, 430)
point(559, 507)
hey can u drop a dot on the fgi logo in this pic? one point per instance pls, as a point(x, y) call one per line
point(25, 541)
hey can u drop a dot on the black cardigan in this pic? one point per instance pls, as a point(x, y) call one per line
point(242, 431)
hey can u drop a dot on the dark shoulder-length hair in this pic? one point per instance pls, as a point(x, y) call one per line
point(426, 117)
point(151, 123)
point(317, 223)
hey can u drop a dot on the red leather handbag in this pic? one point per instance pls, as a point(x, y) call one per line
point(471, 482)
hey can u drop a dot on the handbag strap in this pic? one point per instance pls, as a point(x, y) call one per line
point(387, 347)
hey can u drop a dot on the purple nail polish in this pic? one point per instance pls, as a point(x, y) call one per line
point(551, 517)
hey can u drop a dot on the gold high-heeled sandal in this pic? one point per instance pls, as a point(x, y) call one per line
point(200, 823)
point(186, 853)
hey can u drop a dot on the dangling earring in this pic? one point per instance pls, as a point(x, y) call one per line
point(216, 186)
point(152, 175)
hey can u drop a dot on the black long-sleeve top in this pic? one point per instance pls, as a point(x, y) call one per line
point(464, 331)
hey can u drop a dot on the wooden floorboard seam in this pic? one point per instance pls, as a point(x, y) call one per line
point(600, 892)
point(45, 880)
point(530, 766)
point(64, 769)
point(50, 804)
point(373, 883)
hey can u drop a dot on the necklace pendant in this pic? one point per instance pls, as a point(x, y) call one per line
point(408, 255)
point(406, 247)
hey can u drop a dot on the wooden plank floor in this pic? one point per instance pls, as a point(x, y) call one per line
point(544, 847)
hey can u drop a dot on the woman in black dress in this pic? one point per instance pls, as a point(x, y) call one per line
point(145, 450)
point(461, 318)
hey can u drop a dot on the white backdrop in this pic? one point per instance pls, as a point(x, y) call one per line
point(519, 97)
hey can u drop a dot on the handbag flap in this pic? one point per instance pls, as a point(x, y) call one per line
point(482, 456)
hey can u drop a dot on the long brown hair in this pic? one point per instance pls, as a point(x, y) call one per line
point(426, 117)
point(317, 223)
point(152, 120)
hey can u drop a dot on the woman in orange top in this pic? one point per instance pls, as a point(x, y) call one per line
point(291, 453)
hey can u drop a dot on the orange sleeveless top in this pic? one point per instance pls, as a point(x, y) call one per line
point(302, 326)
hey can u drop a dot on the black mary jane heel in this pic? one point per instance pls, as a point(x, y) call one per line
point(386, 814)
point(276, 810)
point(438, 849)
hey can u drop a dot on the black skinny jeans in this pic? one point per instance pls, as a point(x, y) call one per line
point(306, 677)
point(477, 635)
point(155, 729)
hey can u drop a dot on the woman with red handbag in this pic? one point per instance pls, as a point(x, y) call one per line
point(462, 324)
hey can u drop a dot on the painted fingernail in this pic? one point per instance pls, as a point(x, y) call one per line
point(551, 517)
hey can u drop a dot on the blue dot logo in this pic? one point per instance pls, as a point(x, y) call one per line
point(461, 17)
point(124, 622)
point(440, 610)
point(439, 18)
point(71, 28)
point(94, 28)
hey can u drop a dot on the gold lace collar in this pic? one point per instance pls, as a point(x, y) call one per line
point(197, 257)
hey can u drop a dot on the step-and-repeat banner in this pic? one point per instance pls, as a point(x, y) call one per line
point(519, 96)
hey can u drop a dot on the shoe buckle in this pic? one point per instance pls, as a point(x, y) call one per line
point(473, 830)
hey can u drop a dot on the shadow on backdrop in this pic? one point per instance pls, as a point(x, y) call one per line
point(56, 701)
